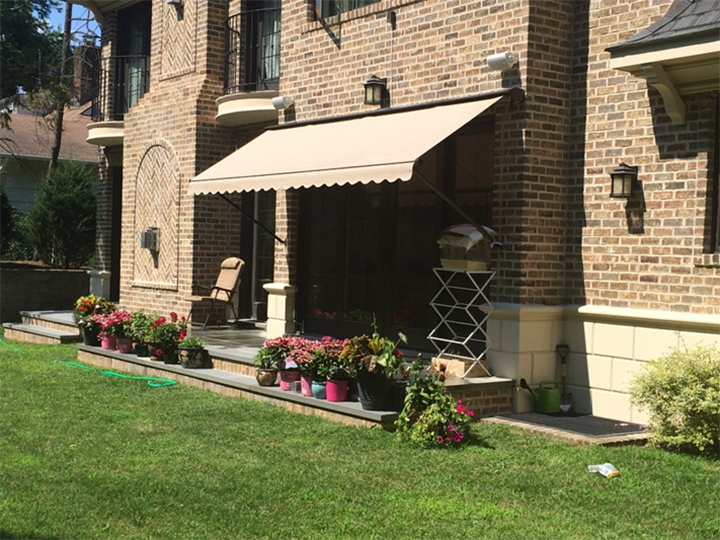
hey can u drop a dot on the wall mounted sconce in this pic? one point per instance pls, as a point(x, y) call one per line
point(282, 102)
point(150, 239)
point(375, 91)
point(501, 61)
point(622, 181)
point(176, 3)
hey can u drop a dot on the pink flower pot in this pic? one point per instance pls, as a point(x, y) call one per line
point(287, 377)
point(124, 345)
point(306, 381)
point(336, 390)
point(109, 343)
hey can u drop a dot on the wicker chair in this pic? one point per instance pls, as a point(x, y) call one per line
point(224, 289)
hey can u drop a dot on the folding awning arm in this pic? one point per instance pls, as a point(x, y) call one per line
point(255, 221)
point(452, 204)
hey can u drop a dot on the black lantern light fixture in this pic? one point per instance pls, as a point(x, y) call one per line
point(622, 181)
point(375, 91)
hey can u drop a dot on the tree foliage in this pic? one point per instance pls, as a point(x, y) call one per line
point(61, 223)
point(30, 48)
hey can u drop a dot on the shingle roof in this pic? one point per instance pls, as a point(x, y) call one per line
point(685, 20)
point(31, 136)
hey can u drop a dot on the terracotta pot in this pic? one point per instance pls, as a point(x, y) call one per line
point(266, 377)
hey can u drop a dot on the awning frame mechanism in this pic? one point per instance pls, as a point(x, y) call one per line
point(251, 218)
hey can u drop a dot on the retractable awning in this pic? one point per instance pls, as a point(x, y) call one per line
point(372, 148)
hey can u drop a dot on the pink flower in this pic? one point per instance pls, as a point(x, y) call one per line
point(441, 440)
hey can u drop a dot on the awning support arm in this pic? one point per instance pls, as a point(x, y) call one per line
point(452, 204)
point(255, 221)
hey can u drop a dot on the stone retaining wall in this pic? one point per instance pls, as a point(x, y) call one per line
point(28, 289)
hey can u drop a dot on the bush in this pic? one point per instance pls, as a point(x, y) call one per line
point(61, 224)
point(7, 220)
point(681, 392)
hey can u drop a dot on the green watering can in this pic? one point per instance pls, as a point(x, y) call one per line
point(548, 397)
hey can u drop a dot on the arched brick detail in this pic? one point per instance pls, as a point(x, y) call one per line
point(157, 204)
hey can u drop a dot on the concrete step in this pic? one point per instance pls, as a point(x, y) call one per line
point(31, 333)
point(56, 320)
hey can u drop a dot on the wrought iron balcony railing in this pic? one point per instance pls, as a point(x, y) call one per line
point(252, 51)
point(120, 83)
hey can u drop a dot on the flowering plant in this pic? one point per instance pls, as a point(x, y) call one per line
point(89, 305)
point(431, 416)
point(326, 359)
point(374, 354)
point(166, 333)
point(115, 324)
point(287, 352)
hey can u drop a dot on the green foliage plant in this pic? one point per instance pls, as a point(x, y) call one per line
point(681, 393)
point(431, 417)
point(139, 326)
point(191, 343)
point(61, 223)
point(374, 354)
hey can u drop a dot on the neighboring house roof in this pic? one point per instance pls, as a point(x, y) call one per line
point(31, 136)
point(686, 20)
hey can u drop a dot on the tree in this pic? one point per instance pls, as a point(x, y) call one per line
point(29, 48)
point(7, 220)
point(61, 224)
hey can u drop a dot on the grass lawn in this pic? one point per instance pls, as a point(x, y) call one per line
point(87, 456)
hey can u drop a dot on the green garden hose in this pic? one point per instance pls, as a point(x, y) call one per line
point(8, 345)
point(152, 381)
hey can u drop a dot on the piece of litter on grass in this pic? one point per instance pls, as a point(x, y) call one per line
point(608, 470)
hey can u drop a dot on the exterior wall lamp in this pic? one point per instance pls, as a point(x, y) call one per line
point(375, 91)
point(622, 181)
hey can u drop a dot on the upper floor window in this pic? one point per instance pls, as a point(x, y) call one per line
point(330, 8)
point(252, 47)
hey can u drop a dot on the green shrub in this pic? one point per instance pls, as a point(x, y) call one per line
point(61, 224)
point(681, 392)
point(7, 220)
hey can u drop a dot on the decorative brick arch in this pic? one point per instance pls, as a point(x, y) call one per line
point(157, 204)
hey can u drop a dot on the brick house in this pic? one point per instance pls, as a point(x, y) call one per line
point(336, 204)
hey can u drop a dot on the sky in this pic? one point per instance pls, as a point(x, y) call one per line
point(57, 18)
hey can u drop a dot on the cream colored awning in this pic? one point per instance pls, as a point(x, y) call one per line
point(371, 148)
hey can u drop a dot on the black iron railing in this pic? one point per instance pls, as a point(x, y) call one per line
point(120, 83)
point(252, 51)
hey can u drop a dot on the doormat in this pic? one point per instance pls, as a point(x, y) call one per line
point(587, 425)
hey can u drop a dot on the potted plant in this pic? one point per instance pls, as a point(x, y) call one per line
point(119, 326)
point(192, 353)
point(165, 334)
point(112, 328)
point(266, 364)
point(333, 374)
point(83, 310)
point(374, 359)
point(140, 324)
point(430, 415)
point(288, 352)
